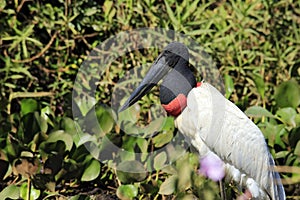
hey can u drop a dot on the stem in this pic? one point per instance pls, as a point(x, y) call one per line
point(222, 191)
point(28, 188)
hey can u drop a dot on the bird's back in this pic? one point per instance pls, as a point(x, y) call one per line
point(216, 124)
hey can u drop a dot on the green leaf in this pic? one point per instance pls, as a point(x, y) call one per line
point(258, 111)
point(142, 144)
point(48, 115)
point(90, 11)
point(190, 9)
point(80, 197)
point(92, 171)
point(127, 192)
point(229, 86)
point(42, 122)
point(155, 126)
point(107, 8)
point(16, 76)
point(2, 5)
point(62, 136)
point(130, 114)
point(131, 171)
point(160, 160)
point(274, 133)
point(23, 70)
point(171, 15)
point(28, 106)
point(34, 193)
point(106, 121)
point(126, 155)
point(69, 126)
point(162, 139)
point(10, 85)
point(168, 186)
point(11, 191)
point(168, 124)
point(287, 116)
point(260, 84)
point(287, 94)
point(99, 120)
point(297, 149)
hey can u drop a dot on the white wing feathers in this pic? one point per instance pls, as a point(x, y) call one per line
point(215, 124)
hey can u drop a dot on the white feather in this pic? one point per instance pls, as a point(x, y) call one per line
point(215, 124)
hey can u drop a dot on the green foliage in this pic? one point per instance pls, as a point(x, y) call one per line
point(287, 94)
point(45, 154)
point(127, 192)
point(281, 129)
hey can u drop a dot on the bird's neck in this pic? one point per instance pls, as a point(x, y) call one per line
point(175, 88)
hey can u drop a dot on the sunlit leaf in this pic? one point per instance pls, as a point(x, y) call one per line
point(171, 15)
point(229, 86)
point(287, 94)
point(34, 193)
point(287, 115)
point(47, 113)
point(90, 11)
point(142, 144)
point(168, 186)
point(297, 149)
point(258, 111)
point(160, 160)
point(92, 171)
point(260, 84)
point(61, 135)
point(28, 106)
point(99, 120)
point(126, 192)
point(162, 139)
point(130, 114)
point(155, 126)
point(11, 191)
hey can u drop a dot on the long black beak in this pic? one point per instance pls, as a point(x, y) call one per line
point(157, 71)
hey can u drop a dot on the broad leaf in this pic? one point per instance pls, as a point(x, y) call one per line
point(168, 186)
point(125, 192)
point(287, 94)
point(92, 171)
point(11, 191)
point(160, 160)
point(62, 136)
point(29, 106)
point(131, 171)
point(287, 115)
point(257, 111)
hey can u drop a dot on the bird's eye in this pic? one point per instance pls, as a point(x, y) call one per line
point(167, 52)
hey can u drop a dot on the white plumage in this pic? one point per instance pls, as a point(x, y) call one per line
point(215, 125)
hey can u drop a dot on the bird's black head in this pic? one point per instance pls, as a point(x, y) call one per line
point(175, 52)
point(174, 56)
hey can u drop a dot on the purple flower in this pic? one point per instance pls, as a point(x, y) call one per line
point(212, 167)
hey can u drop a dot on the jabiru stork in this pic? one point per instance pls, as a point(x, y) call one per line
point(214, 124)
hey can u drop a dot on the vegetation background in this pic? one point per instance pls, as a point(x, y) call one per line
point(255, 43)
